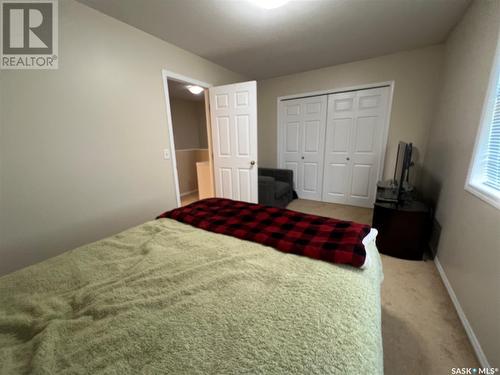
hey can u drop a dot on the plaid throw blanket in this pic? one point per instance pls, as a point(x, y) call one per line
point(317, 237)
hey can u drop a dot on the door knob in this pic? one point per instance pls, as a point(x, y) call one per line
point(347, 158)
point(302, 157)
point(252, 162)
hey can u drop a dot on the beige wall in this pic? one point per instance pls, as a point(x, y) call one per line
point(416, 73)
point(189, 123)
point(82, 146)
point(469, 249)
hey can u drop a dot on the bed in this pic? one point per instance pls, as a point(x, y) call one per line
point(168, 298)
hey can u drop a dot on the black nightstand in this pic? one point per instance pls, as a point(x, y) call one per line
point(403, 228)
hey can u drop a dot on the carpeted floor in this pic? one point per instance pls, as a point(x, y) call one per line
point(421, 330)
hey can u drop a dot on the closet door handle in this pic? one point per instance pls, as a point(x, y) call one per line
point(302, 157)
point(347, 158)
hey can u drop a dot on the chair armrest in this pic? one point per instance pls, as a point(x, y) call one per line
point(266, 179)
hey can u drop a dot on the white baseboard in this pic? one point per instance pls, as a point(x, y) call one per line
point(189, 192)
point(483, 361)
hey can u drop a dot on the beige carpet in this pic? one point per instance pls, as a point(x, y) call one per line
point(421, 330)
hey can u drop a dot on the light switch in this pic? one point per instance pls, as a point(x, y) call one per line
point(166, 153)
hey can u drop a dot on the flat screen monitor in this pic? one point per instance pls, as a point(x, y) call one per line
point(403, 162)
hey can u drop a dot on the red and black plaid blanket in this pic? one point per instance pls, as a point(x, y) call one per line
point(317, 237)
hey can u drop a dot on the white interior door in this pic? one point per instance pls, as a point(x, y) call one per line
point(304, 122)
point(354, 146)
point(233, 112)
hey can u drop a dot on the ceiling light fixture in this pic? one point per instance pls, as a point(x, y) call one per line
point(195, 89)
point(269, 4)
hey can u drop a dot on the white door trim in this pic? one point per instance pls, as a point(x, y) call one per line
point(385, 135)
point(166, 74)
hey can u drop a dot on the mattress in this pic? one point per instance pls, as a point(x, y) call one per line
point(168, 298)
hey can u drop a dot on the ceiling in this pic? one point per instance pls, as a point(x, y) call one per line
point(179, 90)
point(302, 35)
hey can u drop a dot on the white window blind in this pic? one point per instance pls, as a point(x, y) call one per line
point(484, 173)
point(492, 170)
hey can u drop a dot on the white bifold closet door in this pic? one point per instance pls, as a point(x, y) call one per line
point(233, 114)
point(354, 146)
point(304, 122)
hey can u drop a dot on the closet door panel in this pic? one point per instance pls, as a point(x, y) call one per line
point(335, 185)
point(303, 125)
point(292, 137)
point(366, 127)
point(294, 166)
point(311, 136)
point(291, 115)
point(371, 111)
point(354, 137)
point(337, 171)
point(360, 180)
point(313, 126)
point(338, 136)
point(309, 178)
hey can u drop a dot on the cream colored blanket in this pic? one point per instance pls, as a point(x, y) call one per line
point(167, 298)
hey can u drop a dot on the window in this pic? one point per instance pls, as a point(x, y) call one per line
point(484, 174)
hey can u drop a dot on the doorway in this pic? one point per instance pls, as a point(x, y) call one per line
point(189, 130)
point(211, 161)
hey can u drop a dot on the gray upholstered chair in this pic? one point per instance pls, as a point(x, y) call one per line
point(275, 187)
